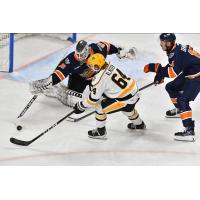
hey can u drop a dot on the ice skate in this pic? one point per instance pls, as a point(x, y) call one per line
point(174, 113)
point(133, 126)
point(187, 135)
point(99, 133)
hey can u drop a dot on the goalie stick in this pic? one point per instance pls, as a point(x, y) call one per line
point(28, 106)
point(26, 143)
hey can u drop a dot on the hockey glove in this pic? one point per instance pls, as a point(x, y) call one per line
point(122, 53)
point(79, 108)
point(158, 79)
point(152, 67)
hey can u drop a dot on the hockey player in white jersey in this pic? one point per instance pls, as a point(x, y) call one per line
point(111, 91)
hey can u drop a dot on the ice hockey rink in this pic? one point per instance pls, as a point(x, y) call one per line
point(68, 143)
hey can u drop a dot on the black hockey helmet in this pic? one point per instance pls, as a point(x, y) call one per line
point(82, 50)
point(169, 37)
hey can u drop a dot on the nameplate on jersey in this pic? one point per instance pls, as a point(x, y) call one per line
point(110, 70)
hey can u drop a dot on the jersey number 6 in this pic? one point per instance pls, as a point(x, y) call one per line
point(120, 79)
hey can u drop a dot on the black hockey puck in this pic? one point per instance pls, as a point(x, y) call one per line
point(19, 127)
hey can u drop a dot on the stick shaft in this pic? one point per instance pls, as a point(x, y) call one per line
point(28, 106)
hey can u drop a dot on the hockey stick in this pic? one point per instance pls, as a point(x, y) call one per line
point(80, 118)
point(146, 86)
point(28, 106)
point(83, 117)
point(26, 143)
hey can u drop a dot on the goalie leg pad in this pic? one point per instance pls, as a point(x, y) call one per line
point(64, 95)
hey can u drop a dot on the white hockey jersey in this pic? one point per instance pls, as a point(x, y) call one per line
point(112, 83)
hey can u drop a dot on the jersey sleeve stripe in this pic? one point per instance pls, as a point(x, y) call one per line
point(171, 72)
point(60, 75)
point(127, 90)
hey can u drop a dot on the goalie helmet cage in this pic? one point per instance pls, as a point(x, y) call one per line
point(7, 42)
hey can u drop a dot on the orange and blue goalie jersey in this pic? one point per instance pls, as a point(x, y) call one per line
point(71, 64)
point(182, 59)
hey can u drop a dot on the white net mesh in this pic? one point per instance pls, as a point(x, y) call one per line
point(4, 51)
point(5, 44)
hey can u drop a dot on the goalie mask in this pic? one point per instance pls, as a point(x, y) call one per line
point(82, 50)
point(96, 62)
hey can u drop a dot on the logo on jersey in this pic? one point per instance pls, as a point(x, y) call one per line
point(67, 62)
point(171, 55)
point(98, 45)
point(183, 48)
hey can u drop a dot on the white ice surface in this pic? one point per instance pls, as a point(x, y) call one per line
point(68, 144)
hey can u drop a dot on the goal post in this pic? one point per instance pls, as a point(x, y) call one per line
point(11, 53)
point(7, 46)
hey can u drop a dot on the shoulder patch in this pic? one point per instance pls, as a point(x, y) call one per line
point(67, 61)
point(63, 66)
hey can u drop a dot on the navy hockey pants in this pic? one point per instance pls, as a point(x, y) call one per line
point(185, 90)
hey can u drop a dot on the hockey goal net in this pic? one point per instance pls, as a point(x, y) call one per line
point(7, 43)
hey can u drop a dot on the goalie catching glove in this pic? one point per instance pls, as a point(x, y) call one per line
point(40, 86)
point(122, 53)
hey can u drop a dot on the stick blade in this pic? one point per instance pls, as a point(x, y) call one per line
point(19, 142)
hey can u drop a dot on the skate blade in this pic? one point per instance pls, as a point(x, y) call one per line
point(70, 119)
point(98, 137)
point(176, 116)
point(185, 138)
